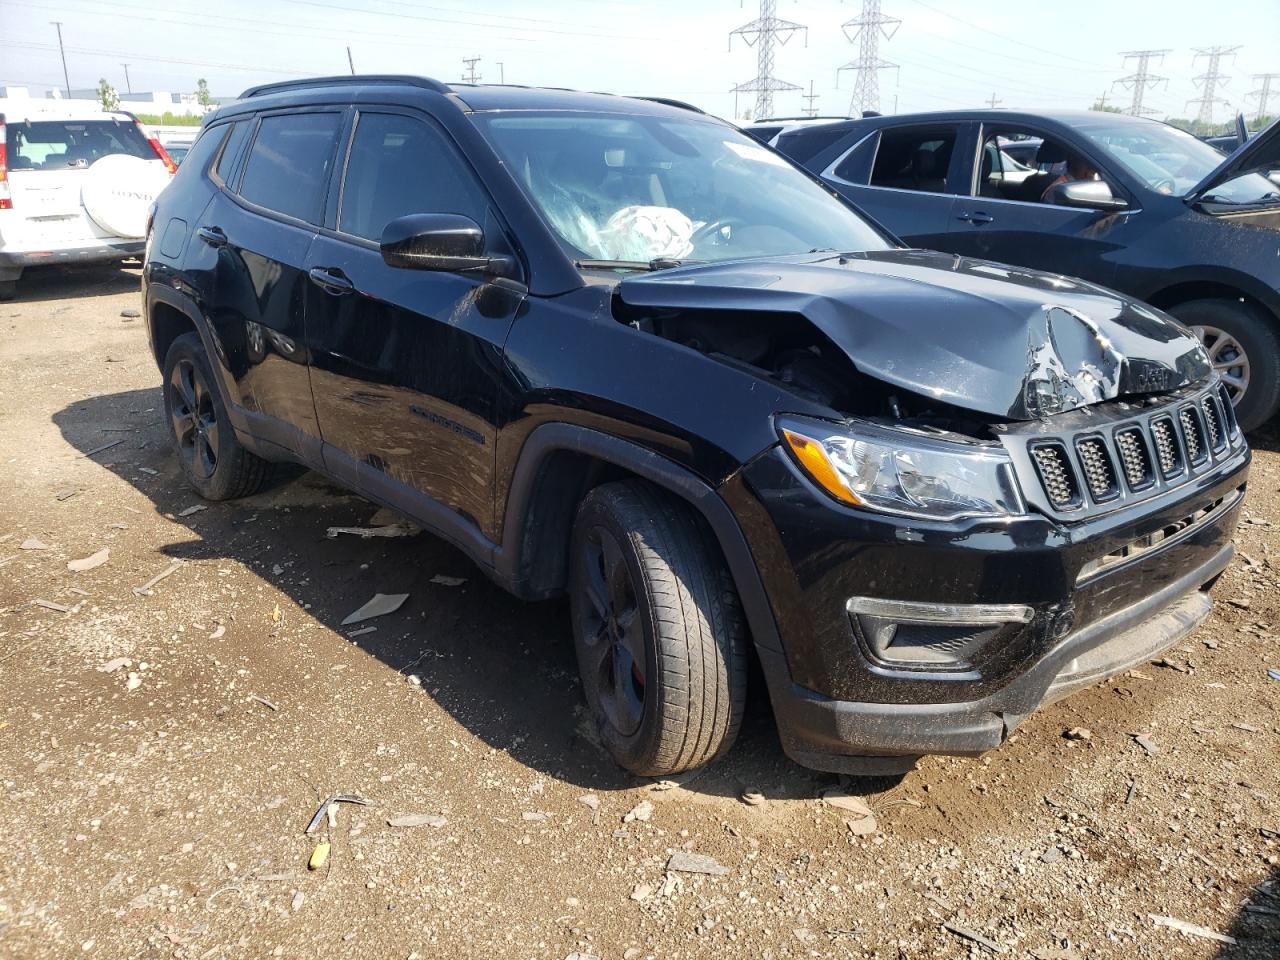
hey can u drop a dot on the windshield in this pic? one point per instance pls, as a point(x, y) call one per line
point(1172, 161)
point(639, 189)
point(59, 144)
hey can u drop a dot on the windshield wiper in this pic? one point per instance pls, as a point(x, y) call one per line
point(659, 263)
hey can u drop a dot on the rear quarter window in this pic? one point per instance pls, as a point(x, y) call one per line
point(70, 144)
point(288, 166)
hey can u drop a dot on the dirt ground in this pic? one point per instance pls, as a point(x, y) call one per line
point(158, 809)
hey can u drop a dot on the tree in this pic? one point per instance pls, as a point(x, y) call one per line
point(1101, 107)
point(107, 95)
point(202, 93)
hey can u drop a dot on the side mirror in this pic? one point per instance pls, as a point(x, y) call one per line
point(446, 242)
point(1087, 195)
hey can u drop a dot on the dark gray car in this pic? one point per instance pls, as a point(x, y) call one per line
point(1165, 219)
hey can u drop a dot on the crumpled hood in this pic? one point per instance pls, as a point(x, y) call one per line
point(983, 336)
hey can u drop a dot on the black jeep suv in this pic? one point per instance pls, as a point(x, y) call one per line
point(612, 347)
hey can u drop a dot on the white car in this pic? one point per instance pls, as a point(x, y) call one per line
point(75, 185)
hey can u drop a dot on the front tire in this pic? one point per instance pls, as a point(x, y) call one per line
point(1244, 348)
point(658, 629)
point(214, 462)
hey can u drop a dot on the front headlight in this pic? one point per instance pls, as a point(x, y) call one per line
point(903, 471)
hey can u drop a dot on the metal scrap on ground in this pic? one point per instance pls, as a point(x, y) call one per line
point(379, 606)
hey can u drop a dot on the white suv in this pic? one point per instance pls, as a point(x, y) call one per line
point(75, 185)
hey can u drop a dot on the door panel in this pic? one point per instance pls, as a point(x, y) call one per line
point(250, 261)
point(405, 363)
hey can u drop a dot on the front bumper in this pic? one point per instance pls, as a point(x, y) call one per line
point(839, 708)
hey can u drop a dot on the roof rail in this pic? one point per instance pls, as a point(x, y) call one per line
point(425, 83)
point(667, 101)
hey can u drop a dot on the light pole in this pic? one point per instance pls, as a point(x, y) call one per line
point(65, 80)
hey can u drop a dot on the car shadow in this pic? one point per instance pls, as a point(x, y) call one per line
point(1256, 928)
point(77, 281)
point(505, 669)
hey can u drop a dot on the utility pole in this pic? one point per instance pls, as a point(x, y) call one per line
point(63, 53)
point(762, 33)
point(810, 99)
point(1141, 79)
point(1101, 103)
point(1263, 93)
point(867, 31)
point(1210, 80)
point(502, 72)
point(992, 101)
point(350, 62)
point(471, 76)
point(127, 85)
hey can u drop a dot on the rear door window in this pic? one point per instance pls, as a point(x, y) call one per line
point(231, 152)
point(288, 166)
point(72, 144)
point(915, 158)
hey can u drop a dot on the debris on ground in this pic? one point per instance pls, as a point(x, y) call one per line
point(417, 820)
point(119, 663)
point(52, 605)
point(379, 606)
point(682, 861)
point(192, 510)
point(264, 701)
point(33, 543)
point(1191, 929)
point(1146, 743)
point(446, 581)
point(976, 937)
point(133, 682)
point(323, 810)
point(319, 856)
point(1079, 733)
point(753, 797)
point(640, 813)
point(89, 562)
point(146, 588)
point(390, 530)
point(105, 446)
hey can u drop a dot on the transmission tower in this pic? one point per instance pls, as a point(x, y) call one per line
point(1141, 79)
point(992, 101)
point(470, 76)
point(811, 99)
point(762, 33)
point(1263, 93)
point(867, 31)
point(1210, 80)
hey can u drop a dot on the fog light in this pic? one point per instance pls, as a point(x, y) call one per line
point(930, 636)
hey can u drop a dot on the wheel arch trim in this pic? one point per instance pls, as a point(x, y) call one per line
point(551, 438)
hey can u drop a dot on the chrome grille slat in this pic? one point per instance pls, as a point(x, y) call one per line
point(1192, 435)
point(1167, 450)
point(1213, 424)
point(1099, 475)
point(1134, 461)
point(1056, 474)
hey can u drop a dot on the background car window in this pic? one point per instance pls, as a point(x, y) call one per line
point(1002, 176)
point(855, 167)
point(63, 144)
point(288, 166)
point(198, 155)
point(231, 152)
point(398, 166)
point(914, 158)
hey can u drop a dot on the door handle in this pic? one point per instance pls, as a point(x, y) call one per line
point(213, 236)
point(975, 218)
point(332, 281)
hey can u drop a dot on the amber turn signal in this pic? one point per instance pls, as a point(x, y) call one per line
point(810, 455)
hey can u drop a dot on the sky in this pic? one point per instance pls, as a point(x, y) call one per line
point(951, 53)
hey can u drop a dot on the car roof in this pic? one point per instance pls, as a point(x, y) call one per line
point(471, 98)
point(1068, 118)
point(23, 110)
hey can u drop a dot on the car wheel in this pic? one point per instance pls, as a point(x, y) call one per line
point(8, 289)
point(1244, 347)
point(215, 463)
point(658, 629)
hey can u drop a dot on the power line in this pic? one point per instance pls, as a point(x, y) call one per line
point(1005, 37)
point(1141, 79)
point(868, 28)
point(1263, 93)
point(762, 33)
point(1210, 80)
point(470, 76)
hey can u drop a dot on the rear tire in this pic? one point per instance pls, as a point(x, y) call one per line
point(1243, 345)
point(214, 462)
point(658, 629)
